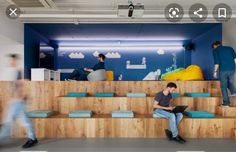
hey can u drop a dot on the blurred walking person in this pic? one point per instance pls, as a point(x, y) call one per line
point(17, 107)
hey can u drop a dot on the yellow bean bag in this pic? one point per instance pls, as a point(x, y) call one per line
point(110, 75)
point(193, 72)
point(172, 75)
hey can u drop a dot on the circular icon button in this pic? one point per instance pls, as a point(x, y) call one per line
point(174, 12)
point(222, 12)
point(198, 12)
point(13, 12)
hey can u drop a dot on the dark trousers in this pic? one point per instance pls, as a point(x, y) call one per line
point(79, 74)
point(227, 82)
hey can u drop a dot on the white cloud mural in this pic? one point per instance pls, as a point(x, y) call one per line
point(160, 52)
point(113, 55)
point(76, 55)
point(96, 53)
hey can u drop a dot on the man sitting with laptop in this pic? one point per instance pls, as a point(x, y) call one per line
point(162, 107)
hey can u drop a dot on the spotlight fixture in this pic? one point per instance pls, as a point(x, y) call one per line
point(131, 10)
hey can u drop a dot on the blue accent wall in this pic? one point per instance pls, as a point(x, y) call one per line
point(202, 55)
point(67, 32)
point(32, 40)
point(55, 35)
point(118, 66)
point(47, 57)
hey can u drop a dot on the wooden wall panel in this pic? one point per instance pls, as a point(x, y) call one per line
point(128, 128)
point(206, 104)
point(149, 87)
point(97, 105)
point(6, 91)
point(233, 134)
point(228, 124)
point(5, 103)
point(6, 88)
point(138, 105)
point(120, 87)
point(36, 96)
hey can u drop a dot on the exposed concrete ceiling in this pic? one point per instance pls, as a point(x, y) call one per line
point(69, 11)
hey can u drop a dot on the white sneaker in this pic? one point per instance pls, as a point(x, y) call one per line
point(225, 106)
point(69, 80)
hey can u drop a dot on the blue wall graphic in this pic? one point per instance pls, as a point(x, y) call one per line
point(154, 62)
point(60, 36)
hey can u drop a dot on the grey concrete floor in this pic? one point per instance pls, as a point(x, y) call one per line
point(121, 145)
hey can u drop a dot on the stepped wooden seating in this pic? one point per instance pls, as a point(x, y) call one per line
point(234, 133)
point(51, 96)
point(226, 111)
point(138, 105)
point(233, 101)
point(142, 126)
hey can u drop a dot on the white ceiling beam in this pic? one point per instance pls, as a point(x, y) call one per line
point(105, 20)
point(97, 16)
point(67, 16)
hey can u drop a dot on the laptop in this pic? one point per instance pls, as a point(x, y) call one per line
point(179, 109)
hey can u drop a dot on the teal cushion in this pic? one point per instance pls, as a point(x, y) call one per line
point(197, 94)
point(122, 114)
point(136, 94)
point(76, 94)
point(104, 94)
point(175, 95)
point(40, 114)
point(80, 114)
point(199, 114)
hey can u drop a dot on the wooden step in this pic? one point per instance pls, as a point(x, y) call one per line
point(234, 133)
point(226, 111)
point(149, 87)
point(138, 105)
point(233, 101)
point(103, 126)
point(43, 95)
